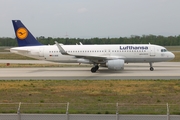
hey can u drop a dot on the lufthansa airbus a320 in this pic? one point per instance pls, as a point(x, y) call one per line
point(111, 56)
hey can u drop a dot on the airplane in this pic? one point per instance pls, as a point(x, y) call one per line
point(111, 56)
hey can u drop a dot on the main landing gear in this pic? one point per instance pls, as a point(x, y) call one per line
point(151, 67)
point(94, 69)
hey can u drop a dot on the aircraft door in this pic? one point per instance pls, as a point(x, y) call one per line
point(41, 52)
point(152, 52)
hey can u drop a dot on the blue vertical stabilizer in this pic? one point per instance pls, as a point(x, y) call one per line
point(23, 35)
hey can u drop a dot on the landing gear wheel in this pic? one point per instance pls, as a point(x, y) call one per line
point(151, 68)
point(93, 70)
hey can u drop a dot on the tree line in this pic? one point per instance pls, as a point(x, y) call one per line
point(145, 39)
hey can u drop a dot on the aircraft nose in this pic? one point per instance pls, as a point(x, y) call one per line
point(172, 55)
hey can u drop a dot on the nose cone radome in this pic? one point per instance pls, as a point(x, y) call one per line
point(171, 56)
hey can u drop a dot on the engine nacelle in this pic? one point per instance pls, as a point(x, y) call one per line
point(115, 64)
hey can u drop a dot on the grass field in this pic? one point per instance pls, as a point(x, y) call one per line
point(173, 48)
point(4, 49)
point(92, 96)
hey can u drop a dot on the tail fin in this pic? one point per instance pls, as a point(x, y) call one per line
point(23, 35)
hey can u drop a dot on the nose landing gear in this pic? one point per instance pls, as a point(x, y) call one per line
point(151, 67)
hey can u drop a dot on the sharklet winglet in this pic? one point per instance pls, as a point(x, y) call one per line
point(61, 49)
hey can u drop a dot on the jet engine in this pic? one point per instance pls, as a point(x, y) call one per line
point(117, 64)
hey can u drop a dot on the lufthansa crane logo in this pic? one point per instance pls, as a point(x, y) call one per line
point(22, 33)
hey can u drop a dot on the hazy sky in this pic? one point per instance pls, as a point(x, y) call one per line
point(91, 18)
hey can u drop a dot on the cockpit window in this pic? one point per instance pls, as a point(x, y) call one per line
point(163, 50)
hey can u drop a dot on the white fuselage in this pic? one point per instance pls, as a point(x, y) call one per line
point(128, 52)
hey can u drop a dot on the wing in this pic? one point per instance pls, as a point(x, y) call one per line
point(93, 58)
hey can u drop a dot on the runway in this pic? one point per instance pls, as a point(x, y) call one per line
point(135, 71)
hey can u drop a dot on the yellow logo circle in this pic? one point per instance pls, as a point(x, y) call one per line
point(22, 33)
